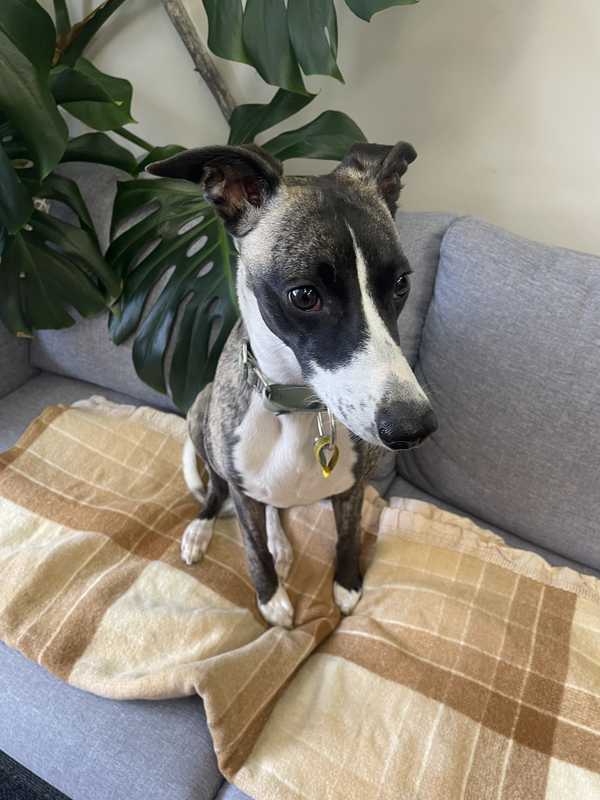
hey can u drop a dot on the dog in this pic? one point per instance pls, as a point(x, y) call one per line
point(312, 382)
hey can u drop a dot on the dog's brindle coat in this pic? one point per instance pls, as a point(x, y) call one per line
point(321, 280)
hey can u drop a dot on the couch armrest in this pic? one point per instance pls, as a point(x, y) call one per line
point(15, 368)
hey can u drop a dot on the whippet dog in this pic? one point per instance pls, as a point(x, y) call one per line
point(312, 382)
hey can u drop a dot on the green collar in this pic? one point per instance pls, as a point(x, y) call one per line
point(279, 398)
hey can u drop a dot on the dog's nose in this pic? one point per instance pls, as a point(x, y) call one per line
point(401, 431)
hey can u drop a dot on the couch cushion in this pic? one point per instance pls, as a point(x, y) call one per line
point(23, 405)
point(87, 353)
point(510, 356)
point(19, 783)
point(420, 235)
point(229, 792)
point(93, 749)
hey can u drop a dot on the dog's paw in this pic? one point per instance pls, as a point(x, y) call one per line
point(195, 540)
point(346, 599)
point(279, 610)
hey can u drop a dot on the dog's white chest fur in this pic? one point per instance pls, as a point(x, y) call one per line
point(274, 456)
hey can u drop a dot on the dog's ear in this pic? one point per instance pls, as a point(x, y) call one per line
point(238, 181)
point(380, 165)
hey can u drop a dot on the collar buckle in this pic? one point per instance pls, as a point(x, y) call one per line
point(254, 376)
point(278, 398)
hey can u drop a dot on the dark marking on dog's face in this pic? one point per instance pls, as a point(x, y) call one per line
point(322, 264)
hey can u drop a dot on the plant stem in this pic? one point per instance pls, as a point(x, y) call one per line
point(202, 59)
point(131, 137)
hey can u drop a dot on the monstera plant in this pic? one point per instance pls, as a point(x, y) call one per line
point(49, 266)
point(168, 276)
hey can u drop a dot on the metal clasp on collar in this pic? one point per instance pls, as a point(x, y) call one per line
point(324, 447)
point(253, 373)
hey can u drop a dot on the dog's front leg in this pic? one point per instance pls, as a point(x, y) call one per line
point(273, 601)
point(347, 508)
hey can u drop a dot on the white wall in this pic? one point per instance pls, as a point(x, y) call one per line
point(500, 97)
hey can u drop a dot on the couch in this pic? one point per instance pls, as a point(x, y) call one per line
point(504, 334)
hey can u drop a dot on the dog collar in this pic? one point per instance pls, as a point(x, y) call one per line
point(279, 398)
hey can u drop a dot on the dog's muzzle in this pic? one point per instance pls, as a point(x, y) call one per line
point(399, 431)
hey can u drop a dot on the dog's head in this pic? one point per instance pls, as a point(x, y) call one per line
point(322, 267)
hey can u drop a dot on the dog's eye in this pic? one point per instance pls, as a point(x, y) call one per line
point(401, 287)
point(306, 298)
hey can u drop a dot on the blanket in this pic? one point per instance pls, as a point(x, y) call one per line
point(468, 669)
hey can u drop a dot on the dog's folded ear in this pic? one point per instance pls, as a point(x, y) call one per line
point(380, 165)
point(238, 181)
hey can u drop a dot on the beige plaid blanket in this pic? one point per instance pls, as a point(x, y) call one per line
point(468, 670)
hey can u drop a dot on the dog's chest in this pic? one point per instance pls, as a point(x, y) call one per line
point(275, 459)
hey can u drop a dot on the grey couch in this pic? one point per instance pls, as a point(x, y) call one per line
point(505, 335)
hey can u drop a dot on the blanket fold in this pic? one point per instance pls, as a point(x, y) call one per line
point(468, 669)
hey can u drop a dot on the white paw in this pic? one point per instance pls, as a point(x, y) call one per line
point(345, 599)
point(279, 610)
point(195, 540)
point(278, 544)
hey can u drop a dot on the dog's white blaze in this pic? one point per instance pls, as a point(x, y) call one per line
point(275, 358)
point(355, 390)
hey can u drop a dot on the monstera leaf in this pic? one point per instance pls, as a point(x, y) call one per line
point(282, 39)
point(276, 38)
point(61, 15)
point(179, 247)
point(98, 148)
point(248, 120)
point(366, 8)
point(329, 136)
point(313, 32)
point(73, 43)
point(51, 266)
point(31, 30)
point(15, 201)
point(101, 101)
point(26, 101)
point(267, 42)
point(225, 38)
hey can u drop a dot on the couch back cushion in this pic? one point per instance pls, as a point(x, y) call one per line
point(86, 352)
point(510, 357)
point(421, 235)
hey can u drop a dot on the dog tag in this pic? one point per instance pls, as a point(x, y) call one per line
point(327, 454)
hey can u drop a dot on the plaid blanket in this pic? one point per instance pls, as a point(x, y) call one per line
point(468, 670)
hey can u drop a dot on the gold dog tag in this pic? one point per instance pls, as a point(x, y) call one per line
point(327, 454)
